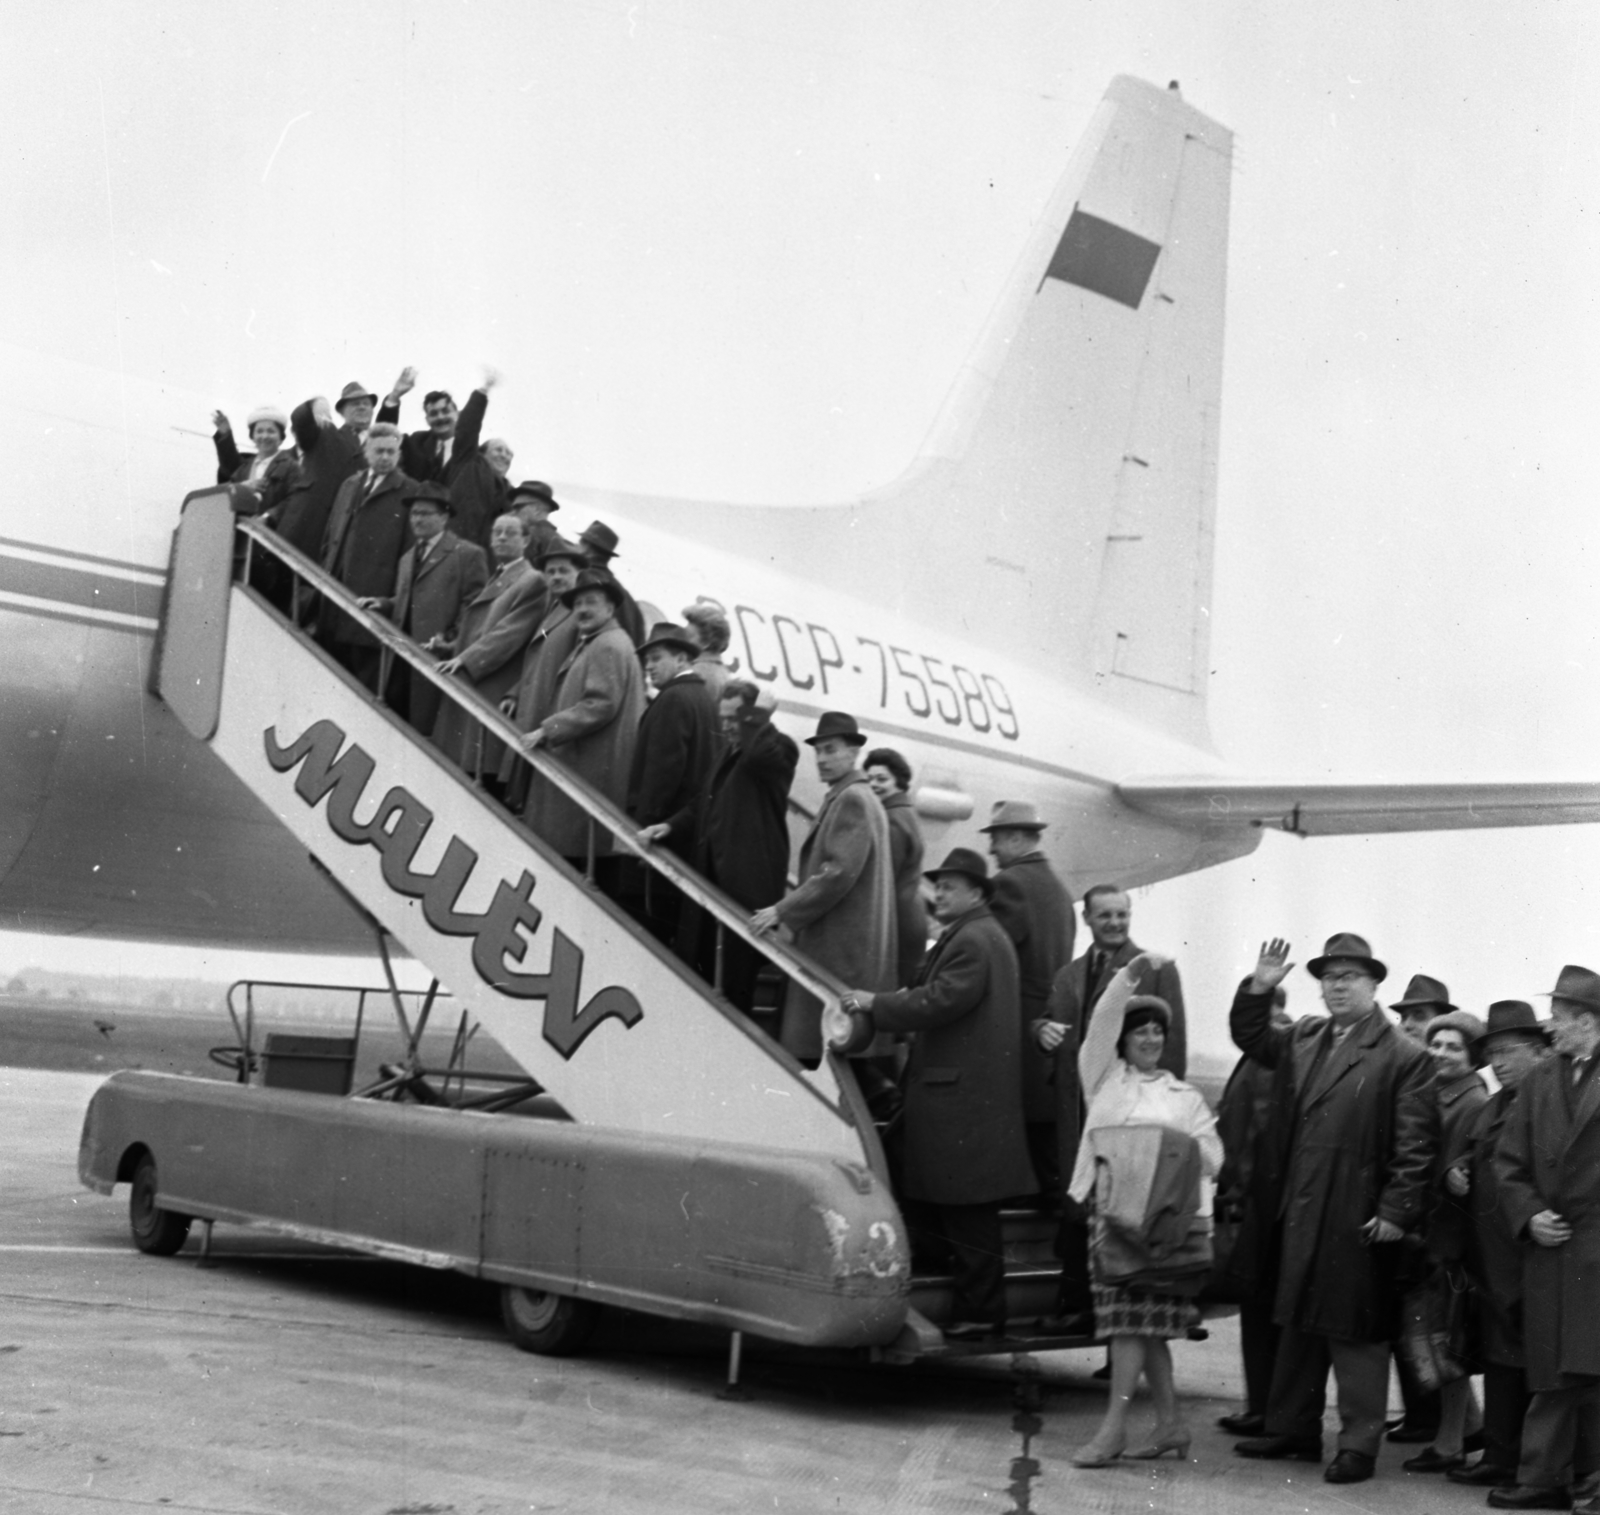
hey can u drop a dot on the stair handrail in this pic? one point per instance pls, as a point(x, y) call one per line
point(623, 829)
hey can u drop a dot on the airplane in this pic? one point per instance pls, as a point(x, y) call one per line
point(1024, 612)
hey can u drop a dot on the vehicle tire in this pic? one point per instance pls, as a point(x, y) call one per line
point(552, 1325)
point(156, 1231)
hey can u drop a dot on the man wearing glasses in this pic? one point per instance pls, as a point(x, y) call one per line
point(1357, 1128)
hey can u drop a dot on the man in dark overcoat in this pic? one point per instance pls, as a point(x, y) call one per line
point(1515, 1044)
point(676, 749)
point(1249, 1188)
point(964, 1146)
point(737, 833)
point(328, 456)
point(369, 531)
point(1361, 1130)
point(1547, 1164)
point(599, 542)
point(1034, 907)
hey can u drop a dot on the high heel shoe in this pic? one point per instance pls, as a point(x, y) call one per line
point(1174, 1439)
point(1096, 1455)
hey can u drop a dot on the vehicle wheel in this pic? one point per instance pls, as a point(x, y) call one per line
point(156, 1231)
point(551, 1324)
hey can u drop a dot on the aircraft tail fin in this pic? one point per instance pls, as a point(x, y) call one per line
point(1062, 505)
point(1079, 443)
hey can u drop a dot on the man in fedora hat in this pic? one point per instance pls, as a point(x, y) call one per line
point(535, 501)
point(673, 756)
point(842, 912)
point(438, 577)
point(1353, 1107)
point(1548, 1168)
point(554, 637)
point(1424, 1001)
point(599, 541)
point(592, 727)
point(1033, 906)
point(355, 405)
point(1515, 1043)
point(964, 1146)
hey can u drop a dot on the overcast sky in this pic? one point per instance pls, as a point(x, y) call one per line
point(738, 252)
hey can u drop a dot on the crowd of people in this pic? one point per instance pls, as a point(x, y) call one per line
point(1363, 1192)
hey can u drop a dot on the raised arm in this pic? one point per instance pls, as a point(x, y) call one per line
point(1098, 1053)
point(1250, 1019)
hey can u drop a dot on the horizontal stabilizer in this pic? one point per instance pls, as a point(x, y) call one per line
point(1323, 809)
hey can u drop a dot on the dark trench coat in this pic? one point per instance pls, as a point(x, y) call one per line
point(1360, 1130)
point(964, 1142)
point(1549, 1159)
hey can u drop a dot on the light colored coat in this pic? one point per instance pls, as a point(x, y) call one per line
point(495, 631)
point(598, 701)
point(842, 912)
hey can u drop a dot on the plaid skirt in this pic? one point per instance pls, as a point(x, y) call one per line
point(1137, 1312)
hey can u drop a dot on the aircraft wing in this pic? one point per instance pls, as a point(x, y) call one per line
point(1324, 809)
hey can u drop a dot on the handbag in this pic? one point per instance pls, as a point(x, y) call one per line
point(1434, 1329)
point(1222, 1287)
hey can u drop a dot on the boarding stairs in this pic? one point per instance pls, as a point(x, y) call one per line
point(616, 1030)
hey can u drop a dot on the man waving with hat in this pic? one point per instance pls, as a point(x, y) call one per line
point(1352, 1102)
point(964, 1145)
point(842, 912)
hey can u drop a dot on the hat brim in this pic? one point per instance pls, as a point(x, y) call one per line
point(842, 736)
point(563, 554)
point(1034, 826)
point(689, 649)
point(1539, 1033)
point(340, 404)
point(1378, 971)
point(1573, 999)
point(982, 880)
point(1443, 1006)
point(611, 591)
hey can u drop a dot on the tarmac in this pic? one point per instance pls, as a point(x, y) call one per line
point(294, 1380)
